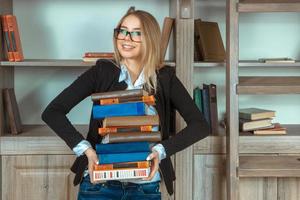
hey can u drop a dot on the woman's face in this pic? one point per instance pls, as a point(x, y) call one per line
point(129, 38)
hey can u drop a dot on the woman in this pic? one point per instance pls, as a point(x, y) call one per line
point(138, 64)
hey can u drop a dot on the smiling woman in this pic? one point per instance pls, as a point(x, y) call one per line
point(137, 65)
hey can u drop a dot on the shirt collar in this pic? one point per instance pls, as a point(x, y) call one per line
point(124, 76)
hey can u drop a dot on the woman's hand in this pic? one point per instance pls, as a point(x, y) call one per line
point(92, 159)
point(154, 157)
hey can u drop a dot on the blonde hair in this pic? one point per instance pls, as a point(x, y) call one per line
point(151, 37)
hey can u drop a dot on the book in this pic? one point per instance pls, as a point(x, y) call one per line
point(132, 137)
point(210, 42)
point(125, 147)
point(197, 93)
point(15, 36)
point(2, 47)
point(255, 113)
point(122, 157)
point(119, 94)
point(12, 111)
point(123, 165)
point(120, 174)
point(276, 130)
point(149, 100)
point(99, 54)
point(213, 109)
point(124, 109)
point(7, 40)
point(277, 60)
point(152, 120)
point(103, 131)
point(206, 107)
point(249, 125)
point(165, 35)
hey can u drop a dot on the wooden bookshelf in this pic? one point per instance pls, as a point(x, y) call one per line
point(268, 6)
point(268, 85)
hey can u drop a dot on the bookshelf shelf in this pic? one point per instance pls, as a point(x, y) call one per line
point(269, 6)
point(269, 166)
point(268, 85)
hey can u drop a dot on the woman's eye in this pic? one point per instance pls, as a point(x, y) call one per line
point(136, 33)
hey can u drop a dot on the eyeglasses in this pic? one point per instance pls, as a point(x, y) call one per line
point(120, 34)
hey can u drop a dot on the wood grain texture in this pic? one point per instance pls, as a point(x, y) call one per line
point(269, 6)
point(258, 188)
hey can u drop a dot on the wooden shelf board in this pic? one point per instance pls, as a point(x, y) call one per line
point(209, 64)
point(268, 85)
point(269, 166)
point(268, 6)
point(255, 63)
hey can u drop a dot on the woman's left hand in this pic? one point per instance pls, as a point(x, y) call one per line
point(154, 157)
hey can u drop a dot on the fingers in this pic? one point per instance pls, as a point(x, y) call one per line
point(154, 165)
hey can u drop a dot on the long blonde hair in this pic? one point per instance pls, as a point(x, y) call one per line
point(151, 37)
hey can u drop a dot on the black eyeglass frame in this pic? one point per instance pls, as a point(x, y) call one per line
point(117, 31)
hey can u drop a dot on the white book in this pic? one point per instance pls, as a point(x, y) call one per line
point(120, 174)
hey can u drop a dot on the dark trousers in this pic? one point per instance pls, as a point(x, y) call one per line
point(116, 190)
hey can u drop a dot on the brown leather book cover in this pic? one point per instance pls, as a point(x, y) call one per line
point(150, 100)
point(104, 131)
point(197, 53)
point(119, 94)
point(99, 54)
point(210, 42)
point(123, 165)
point(15, 36)
point(8, 48)
point(165, 35)
point(132, 137)
point(213, 104)
point(12, 111)
point(131, 121)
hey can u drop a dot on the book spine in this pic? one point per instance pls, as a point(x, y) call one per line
point(198, 98)
point(15, 36)
point(206, 107)
point(126, 147)
point(7, 40)
point(213, 107)
point(131, 121)
point(132, 137)
point(124, 109)
point(116, 94)
point(122, 157)
point(120, 174)
point(150, 100)
point(104, 131)
point(123, 165)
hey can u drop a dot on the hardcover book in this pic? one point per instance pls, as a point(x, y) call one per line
point(132, 137)
point(165, 35)
point(131, 121)
point(276, 130)
point(125, 147)
point(104, 131)
point(249, 125)
point(15, 36)
point(121, 174)
point(255, 113)
point(119, 94)
point(149, 100)
point(124, 109)
point(123, 165)
point(122, 157)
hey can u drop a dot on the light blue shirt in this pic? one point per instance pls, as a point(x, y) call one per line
point(81, 147)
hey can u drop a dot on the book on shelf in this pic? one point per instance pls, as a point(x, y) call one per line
point(165, 35)
point(103, 131)
point(250, 125)
point(123, 165)
point(124, 109)
point(94, 56)
point(276, 130)
point(124, 147)
point(119, 94)
point(149, 100)
point(110, 158)
point(120, 174)
point(206, 107)
point(2, 44)
point(132, 137)
point(255, 113)
point(197, 94)
point(152, 120)
point(8, 49)
point(277, 60)
point(208, 36)
point(213, 109)
point(15, 37)
point(12, 111)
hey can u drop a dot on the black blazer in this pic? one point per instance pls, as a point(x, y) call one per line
point(103, 77)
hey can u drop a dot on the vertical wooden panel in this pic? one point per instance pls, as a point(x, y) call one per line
point(288, 188)
point(258, 188)
point(184, 71)
point(232, 99)
point(209, 177)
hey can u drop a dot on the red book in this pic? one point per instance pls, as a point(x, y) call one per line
point(7, 40)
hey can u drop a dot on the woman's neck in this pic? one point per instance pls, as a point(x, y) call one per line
point(134, 68)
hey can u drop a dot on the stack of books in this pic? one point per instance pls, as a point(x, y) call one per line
point(127, 134)
point(259, 121)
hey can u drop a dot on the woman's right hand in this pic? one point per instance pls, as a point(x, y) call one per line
point(92, 159)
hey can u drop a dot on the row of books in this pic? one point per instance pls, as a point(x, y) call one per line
point(11, 39)
point(206, 100)
point(127, 134)
point(259, 121)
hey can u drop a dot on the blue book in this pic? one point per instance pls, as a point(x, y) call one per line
point(125, 147)
point(122, 109)
point(122, 157)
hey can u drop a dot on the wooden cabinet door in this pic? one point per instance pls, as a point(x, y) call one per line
point(36, 177)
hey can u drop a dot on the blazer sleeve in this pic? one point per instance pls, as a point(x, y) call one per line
point(197, 127)
point(55, 113)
